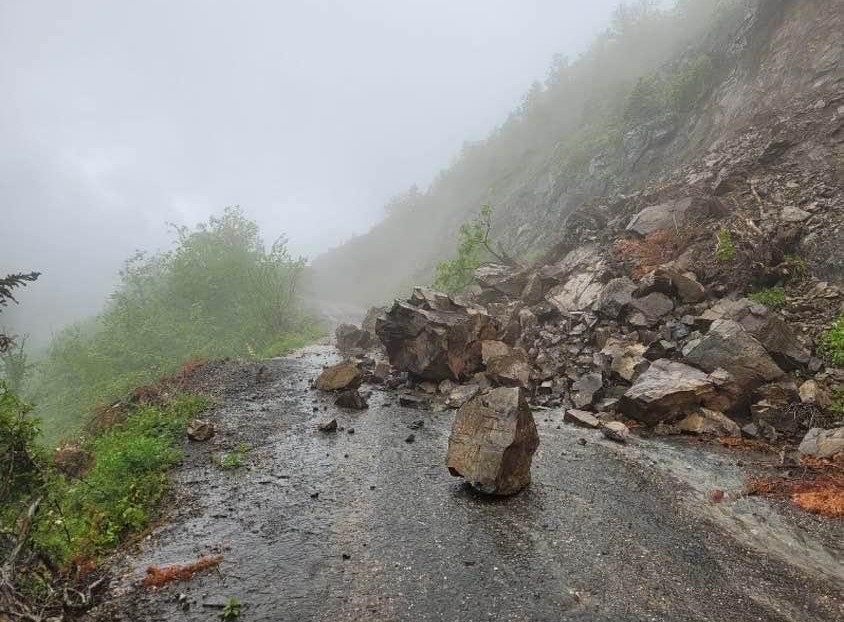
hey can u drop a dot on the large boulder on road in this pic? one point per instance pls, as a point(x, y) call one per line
point(435, 338)
point(492, 442)
point(353, 340)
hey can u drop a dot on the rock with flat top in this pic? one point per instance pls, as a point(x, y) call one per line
point(709, 423)
point(511, 369)
point(345, 375)
point(727, 345)
point(492, 442)
point(581, 418)
point(821, 443)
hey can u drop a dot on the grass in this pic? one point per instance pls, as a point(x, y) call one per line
point(231, 610)
point(87, 517)
point(233, 460)
point(832, 342)
point(773, 297)
point(725, 248)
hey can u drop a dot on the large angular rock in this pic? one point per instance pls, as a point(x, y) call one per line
point(578, 293)
point(728, 346)
point(492, 442)
point(622, 358)
point(667, 392)
point(511, 369)
point(648, 310)
point(345, 375)
point(435, 338)
point(585, 388)
point(765, 326)
point(821, 443)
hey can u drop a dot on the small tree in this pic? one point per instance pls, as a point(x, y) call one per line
point(473, 248)
point(7, 286)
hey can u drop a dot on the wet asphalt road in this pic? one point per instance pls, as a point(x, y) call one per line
point(367, 526)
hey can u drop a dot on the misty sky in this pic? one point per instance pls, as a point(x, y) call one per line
point(118, 116)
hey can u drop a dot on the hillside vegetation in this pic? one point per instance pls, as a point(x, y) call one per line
point(219, 293)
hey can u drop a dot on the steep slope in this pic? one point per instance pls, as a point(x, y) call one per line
point(735, 91)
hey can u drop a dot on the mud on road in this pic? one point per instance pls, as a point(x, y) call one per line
point(368, 526)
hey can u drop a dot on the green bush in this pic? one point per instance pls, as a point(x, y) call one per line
point(832, 342)
point(220, 293)
point(773, 297)
point(688, 85)
point(120, 494)
point(473, 249)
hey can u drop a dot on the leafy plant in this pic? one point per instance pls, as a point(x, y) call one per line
point(832, 342)
point(220, 293)
point(231, 610)
point(773, 297)
point(725, 248)
point(474, 247)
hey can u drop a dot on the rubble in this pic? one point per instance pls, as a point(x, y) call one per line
point(200, 430)
point(352, 399)
point(821, 443)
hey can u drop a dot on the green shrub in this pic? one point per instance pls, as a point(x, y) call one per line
point(832, 342)
point(220, 293)
point(725, 248)
point(120, 494)
point(773, 297)
point(647, 100)
point(21, 459)
point(473, 249)
point(688, 84)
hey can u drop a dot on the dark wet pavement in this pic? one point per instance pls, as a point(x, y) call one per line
point(366, 526)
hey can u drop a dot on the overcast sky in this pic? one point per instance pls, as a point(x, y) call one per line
point(118, 116)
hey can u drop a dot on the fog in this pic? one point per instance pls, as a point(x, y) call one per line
point(120, 117)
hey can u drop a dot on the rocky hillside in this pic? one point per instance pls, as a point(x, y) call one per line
point(731, 109)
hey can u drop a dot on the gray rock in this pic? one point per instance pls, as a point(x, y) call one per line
point(581, 418)
point(491, 349)
point(615, 297)
point(822, 443)
point(352, 399)
point(667, 392)
point(794, 214)
point(649, 309)
point(728, 346)
point(328, 426)
point(615, 431)
point(585, 388)
point(510, 369)
point(462, 394)
point(492, 442)
point(812, 393)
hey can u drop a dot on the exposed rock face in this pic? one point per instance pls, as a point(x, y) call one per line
point(666, 392)
point(351, 398)
point(728, 346)
point(492, 442)
point(345, 375)
point(502, 278)
point(823, 443)
point(435, 338)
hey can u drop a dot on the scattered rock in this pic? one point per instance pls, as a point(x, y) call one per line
point(615, 431)
point(794, 214)
point(412, 401)
point(410, 438)
point(328, 426)
point(647, 311)
point(821, 443)
point(811, 393)
point(492, 442)
point(345, 375)
point(710, 423)
point(200, 430)
point(351, 398)
point(585, 389)
point(462, 394)
point(581, 418)
point(492, 349)
point(615, 297)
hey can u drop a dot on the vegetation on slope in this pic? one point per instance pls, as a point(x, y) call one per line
point(220, 293)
